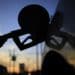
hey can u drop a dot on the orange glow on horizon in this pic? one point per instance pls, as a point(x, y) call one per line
point(30, 63)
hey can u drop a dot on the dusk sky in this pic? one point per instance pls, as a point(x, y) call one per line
point(9, 10)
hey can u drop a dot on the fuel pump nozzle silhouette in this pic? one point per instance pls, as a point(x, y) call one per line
point(35, 20)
